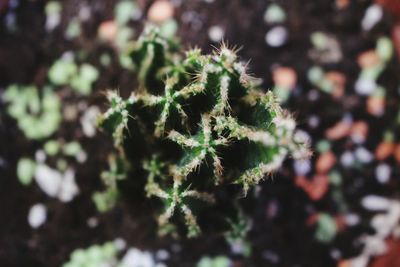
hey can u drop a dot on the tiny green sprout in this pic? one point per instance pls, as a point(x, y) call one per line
point(126, 10)
point(274, 14)
point(51, 147)
point(316, 76)
point(323, 146)
point(384, 48)
point(38, 113)
point(80, 78)
point(62, 71)
point(96, 255)
point(319, 40)
point(72, 149)
point(53, 7)
point(26, 170)
point(197, 125)
point(326, 228)
point(169, 28)
point(73, 29)
point(219, 261)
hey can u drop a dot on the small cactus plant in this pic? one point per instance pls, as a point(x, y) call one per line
point(198, 129)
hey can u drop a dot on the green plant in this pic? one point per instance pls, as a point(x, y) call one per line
point(80, 78)
point(38, 112)
point(197, 130)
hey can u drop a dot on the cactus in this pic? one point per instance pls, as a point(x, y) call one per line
point(197, 126)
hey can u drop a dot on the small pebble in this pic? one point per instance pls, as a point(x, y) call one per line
point(375, 203)
point(372, 16)
point(274, 14)
point(216, 33)
point(347, 159)
point(384, 150)
point(119, 243)
point(376, 105)
point(313, 95)
point(40, 156)
point(108, 31)
point(325, 162)
point(352, 219)
point(383, 172)
point(37, 215)
point(160, 11)
point(365, 86)
point(277, 36)
point(92, 222)
point(363, 155)
point(302, 167)
point(359, 132)
point(162, 255)
point(285, 77)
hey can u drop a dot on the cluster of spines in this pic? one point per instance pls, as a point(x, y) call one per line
point(225, 79)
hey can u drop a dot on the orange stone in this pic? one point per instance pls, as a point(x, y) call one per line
point(315, 188)
point(360, 128)
point(325, 162)
point(376, 105)
point(108, 30)
point(342, 4)
point(160, 11)
point(384, 150)
point(344, 263)
point(397, 153)
point(338, 131)
point(285, 77)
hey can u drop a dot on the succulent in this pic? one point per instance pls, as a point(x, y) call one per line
point(198, 131)
point(38, 112)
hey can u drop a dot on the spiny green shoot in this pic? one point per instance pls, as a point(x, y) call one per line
point(198, 128)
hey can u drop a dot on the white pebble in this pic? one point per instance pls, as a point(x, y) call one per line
point(365, 87)
point(49, 180)
point(52, 21)
point(313, 121)
point(68, 187)
point(216, 33)
point(313, 95)
point(55, 183)
point(37, 215)
point(92, 222)
point(302, 167)
point(372, 16)
point(351, 219)
point(84, 13)
point(347, 159)
point(277, 36)
point(88, 121)
point(363, 155)
point(375, 203)
point(383, 172)
point(119, 243)
point(137, 258)
point(162, 255)
point(40, 156)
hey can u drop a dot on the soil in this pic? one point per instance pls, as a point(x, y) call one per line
point(26, 55)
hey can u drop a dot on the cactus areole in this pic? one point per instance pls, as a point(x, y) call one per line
point(198, 130)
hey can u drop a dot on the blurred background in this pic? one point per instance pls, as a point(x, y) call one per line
point(333, 63)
